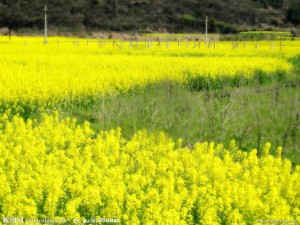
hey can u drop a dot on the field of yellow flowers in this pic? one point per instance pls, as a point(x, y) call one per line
point(53, 168)
point(34, 76)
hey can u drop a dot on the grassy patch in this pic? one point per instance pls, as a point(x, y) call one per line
point(200, 82)
point(250, 115)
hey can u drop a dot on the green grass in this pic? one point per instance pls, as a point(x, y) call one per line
point(273, 33)
point(263, 35)
point(180, 36)
point(250, 115)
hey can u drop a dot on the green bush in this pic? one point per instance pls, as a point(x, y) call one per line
point(188, 19)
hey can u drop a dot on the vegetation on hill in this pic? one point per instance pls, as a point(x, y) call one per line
point(140, 15)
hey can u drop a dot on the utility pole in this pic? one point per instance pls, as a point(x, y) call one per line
point(206, 22)
point(9, 29)
point(46, 29)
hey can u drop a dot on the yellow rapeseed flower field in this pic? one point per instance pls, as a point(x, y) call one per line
point(56, 169)
point(53, 168)
point(66, 71)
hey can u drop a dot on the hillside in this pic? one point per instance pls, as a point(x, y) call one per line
point(225, 16)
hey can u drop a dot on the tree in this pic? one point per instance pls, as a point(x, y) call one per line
point(93, 12)
point(15, 14)
point(66, 12)
point(273, 3)
point(10, 15)
point(293, 13)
